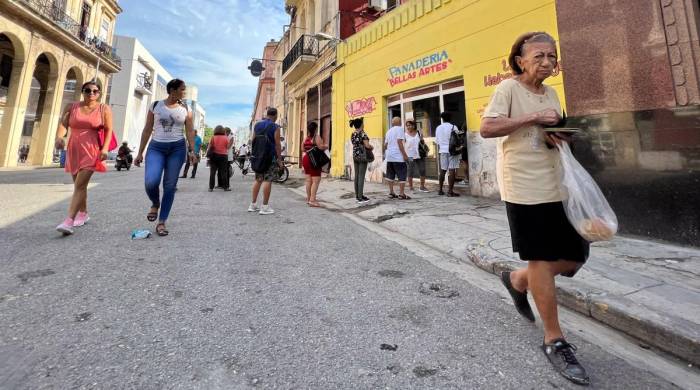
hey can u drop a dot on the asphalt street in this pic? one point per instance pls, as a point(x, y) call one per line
point(302, 299)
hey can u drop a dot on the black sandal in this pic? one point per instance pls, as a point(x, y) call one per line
point(161, 230)
point(404, 197)
point(393, 196)
point(152, 215)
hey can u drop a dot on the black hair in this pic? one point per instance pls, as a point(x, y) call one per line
point(311, 129)
point(446, 116)
point(357, 122)
point(91, 82)
point(517, 49)
point(411, 122)
point(174, 85)
point(271, 111)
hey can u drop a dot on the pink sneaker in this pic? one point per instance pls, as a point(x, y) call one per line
point(80, 219)
point(66, 227)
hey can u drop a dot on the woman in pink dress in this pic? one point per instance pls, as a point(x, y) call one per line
point(84, 151)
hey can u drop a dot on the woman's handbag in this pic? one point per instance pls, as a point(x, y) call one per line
point(585, 205)
point(101, 133)
point(366, 156)
point(317, 158)
point(423, 148)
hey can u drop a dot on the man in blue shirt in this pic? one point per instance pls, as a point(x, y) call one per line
point(197, 147)
point(267, 127)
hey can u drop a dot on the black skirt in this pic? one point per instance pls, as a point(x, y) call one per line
point(543, 232)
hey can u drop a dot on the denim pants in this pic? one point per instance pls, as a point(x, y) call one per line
point(164, 161)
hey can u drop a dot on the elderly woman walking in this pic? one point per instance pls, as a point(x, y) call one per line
point(528, 169)
point(85, 152)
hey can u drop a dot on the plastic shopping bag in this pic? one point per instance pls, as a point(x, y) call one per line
point(585, 206)
point(384, 167)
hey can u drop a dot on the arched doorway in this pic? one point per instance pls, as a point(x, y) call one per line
point(10, 69)
point(71, 93)
point(42, 77)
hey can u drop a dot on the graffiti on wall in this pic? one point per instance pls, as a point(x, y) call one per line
point(360, 107)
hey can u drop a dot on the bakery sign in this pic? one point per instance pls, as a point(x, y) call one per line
point(360, 107)
point(421, 67)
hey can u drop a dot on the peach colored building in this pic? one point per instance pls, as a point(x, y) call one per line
point(266, 84)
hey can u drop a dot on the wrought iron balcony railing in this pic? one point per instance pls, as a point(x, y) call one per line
point(307, 45)
point(57, 14)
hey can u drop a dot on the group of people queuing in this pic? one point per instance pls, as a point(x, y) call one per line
point(528, 169)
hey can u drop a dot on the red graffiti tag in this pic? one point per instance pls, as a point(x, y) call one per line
point(360, 107)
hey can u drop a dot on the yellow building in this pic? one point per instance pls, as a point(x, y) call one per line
point(425, 57)
point(47, 50)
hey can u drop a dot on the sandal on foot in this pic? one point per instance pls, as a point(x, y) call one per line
point(161, 230)
point(314, 204)
point(404, 197)
point(152, 215)
point(393, 196)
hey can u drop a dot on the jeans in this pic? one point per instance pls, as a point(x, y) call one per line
point(164, 160)
point(360, 170)
point(219, 163)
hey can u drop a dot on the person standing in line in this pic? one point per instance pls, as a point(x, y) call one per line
point(167, 121)
point(528, 170)
point(465, 157)
point(447, 162)
point(360, 141)
point(84, 119)
point(229, 152)
point(219, 145)
point(266, 146)
point(313, 175)
point(416, 164)
point(396, 159)
point(198, 157)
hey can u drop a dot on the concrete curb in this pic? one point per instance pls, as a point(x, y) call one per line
point(674, 335)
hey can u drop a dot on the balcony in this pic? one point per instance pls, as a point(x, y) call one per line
point(57, 14)
point(300, 58)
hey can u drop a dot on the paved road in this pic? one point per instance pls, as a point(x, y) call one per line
point(303, 298)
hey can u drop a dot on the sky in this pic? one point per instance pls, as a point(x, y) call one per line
point(208, 43)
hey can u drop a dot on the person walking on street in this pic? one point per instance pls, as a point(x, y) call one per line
point(84, 152)
point(229, 152)
point(167, 121)
point(447, 162)
point(396, 159)
point(198, 157)
point(313, 175)
point(219, 144)
point(416, 163)
point(265, 159)
point(360, 146)
point(242, 154)
point(528, 169)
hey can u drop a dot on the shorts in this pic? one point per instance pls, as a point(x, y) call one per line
point(449, 162)
point(268, 175)
point(416, 167)
point(543, 232)
point(396, 171)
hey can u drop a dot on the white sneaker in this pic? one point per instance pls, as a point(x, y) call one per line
point(253, 208)
point(66, 227)
point(266, 209)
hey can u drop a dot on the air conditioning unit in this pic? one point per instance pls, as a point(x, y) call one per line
point(381, 5)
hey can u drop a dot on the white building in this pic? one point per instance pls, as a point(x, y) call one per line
point(198, 112)
point(141, 81)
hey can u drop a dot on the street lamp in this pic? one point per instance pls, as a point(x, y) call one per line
point(325, 37)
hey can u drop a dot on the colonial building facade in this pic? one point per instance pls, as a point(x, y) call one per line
point(48, 49)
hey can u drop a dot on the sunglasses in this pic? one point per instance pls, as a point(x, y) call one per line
point(88, 91)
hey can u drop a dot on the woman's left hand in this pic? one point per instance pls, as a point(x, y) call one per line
point(103, 155)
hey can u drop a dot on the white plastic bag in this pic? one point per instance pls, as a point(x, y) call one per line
point(384, 166)
point(585, 206)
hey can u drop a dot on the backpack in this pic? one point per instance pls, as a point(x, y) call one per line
point(261, 154)
point(457, 141)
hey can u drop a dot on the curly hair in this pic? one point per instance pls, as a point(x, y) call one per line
point(517, 49)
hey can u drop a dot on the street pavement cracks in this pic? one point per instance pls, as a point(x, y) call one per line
point(233, 300)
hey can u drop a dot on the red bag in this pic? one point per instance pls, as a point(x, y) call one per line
point(100, 165)
point(101, 133)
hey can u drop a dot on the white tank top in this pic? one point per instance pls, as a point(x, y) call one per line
point(168, 123)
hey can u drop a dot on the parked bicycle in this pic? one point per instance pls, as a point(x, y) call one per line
point(281, 175)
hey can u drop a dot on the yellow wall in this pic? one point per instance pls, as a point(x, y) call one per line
point(477, 36)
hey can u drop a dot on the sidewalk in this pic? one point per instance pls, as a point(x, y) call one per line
point(646, 289)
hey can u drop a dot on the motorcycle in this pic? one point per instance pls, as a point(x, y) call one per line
point(123, 162)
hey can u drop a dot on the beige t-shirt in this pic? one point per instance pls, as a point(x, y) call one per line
point(527, 171)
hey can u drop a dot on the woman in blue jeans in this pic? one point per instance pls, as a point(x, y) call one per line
point(166, 122)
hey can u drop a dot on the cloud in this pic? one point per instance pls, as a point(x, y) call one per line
point(208, 43)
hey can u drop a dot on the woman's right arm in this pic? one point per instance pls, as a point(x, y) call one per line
point(62, 130)
point(502, 126)
point(145, 136)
